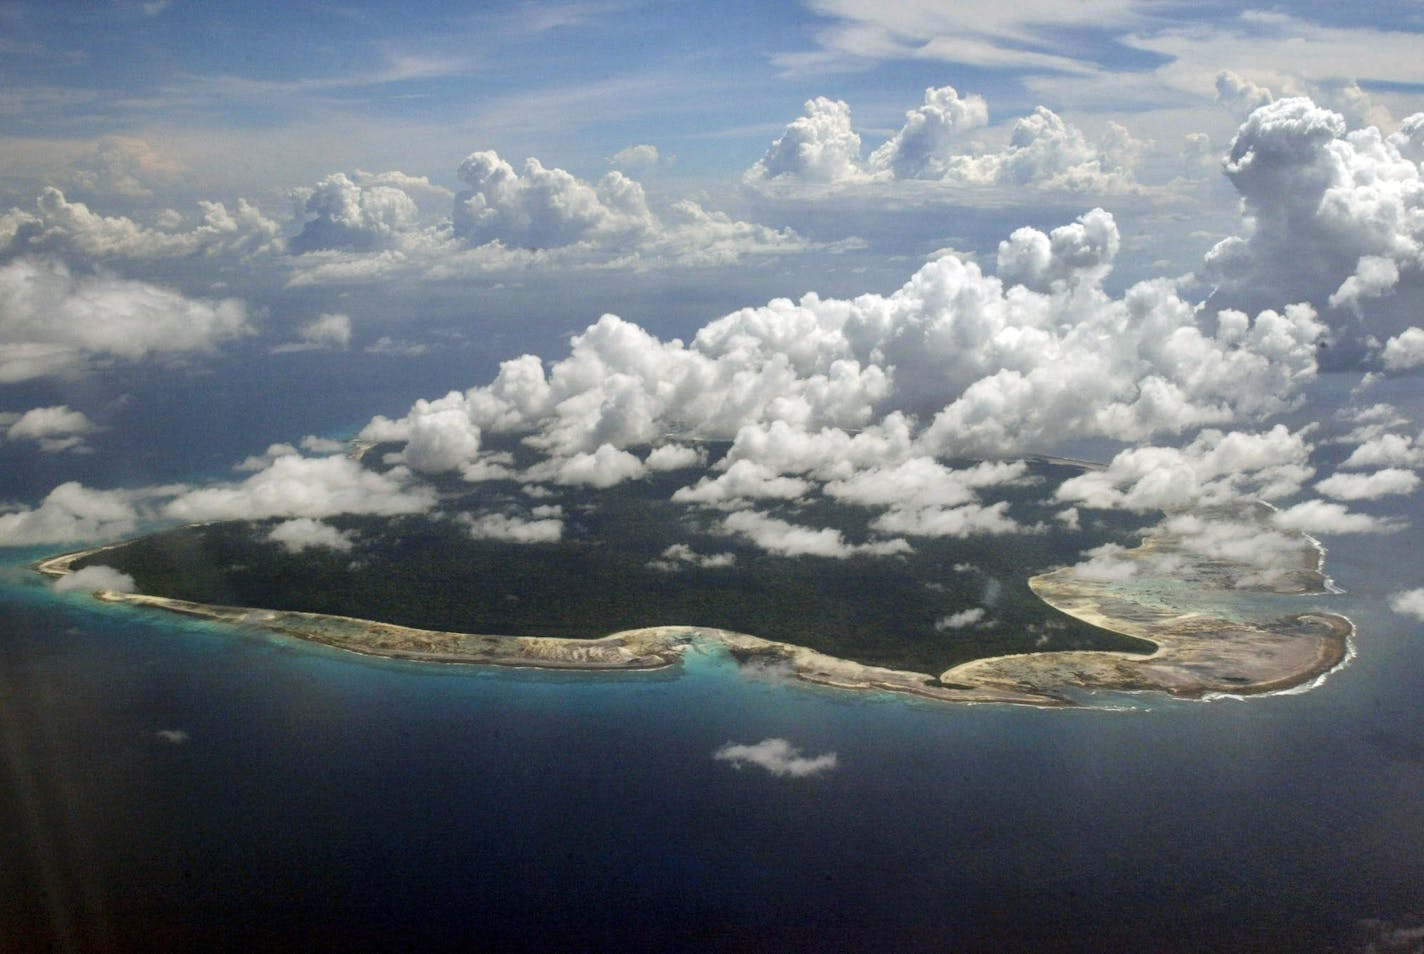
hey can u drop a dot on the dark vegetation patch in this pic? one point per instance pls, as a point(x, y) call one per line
point(427, 572)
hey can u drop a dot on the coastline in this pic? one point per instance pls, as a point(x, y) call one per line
point(1197, 655)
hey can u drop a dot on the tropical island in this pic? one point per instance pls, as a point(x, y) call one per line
point(974, 619)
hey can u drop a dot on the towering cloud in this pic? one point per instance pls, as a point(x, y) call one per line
point(1333, 217)
point(818, 147)
point(1043, 151)
point(921, 149)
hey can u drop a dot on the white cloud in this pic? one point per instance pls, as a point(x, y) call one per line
point(392, 347)
point(341, 214)
point(1216, 467)
point(788, 539)
point(54, 429)
point(1405, 350)
point(922, 147)
point(536, 207)
point(995, 367)
point(641, 155)
point(1386, 450)
point(675, 457)
point(515, 529)
point(817, 147)
point(744, 480)
point(60, 226)
point(604, 467)
point(1318, 516)
point(328, 331)
point(961, 620)
point(55, 322)
point(777, 756)
point(964, 521)
point(1043, 151)
point(1408, 603)
point(72, 513)
point(680, 556)
point(296, 486)
point(1381, 483)
point(1332, 217)
point(304, 533)
point(93, 578)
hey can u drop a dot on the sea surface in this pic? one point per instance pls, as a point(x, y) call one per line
point(172, 784)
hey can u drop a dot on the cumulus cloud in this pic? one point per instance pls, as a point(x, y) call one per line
point(341, 214)
point(60, 226)
point(536, 207)
point(788, 539)
point(1405, 350)
point(304, 533)
point(91, 579)
point(1216, 467)
point(817, 147)
point(641, 155)
point(1319, 516)
point(777, 756)
point(604, 467)
point(123, 165)
point(1386, 450)
point(1381, 483)
point(1043, 150)
point(329, 331)
point(961, 620)
point(296, 486)
point(680, 556)
point(55, 322)
point(1408, 603)
point(514, 218)
point(921, 149)
point(72, 513)
point(954, 363)
point(1332, 217)
point(547, 526)
point(54, 429)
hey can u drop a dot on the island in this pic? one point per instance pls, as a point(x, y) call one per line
point(958, 621)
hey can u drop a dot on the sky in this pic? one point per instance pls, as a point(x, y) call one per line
point(863, 242)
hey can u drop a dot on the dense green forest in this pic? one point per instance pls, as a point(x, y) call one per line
point(427, 571)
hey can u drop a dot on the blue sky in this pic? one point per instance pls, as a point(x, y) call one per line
point(332, 86)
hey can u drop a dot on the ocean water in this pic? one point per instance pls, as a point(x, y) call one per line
point(171, 784)
point(179, 784)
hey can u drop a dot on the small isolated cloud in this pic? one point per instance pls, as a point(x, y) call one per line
point(777, 756)
point(54, 429)
point(171, 736)
point(640, 156)
point(91, 579)
point(961, 620)
point(547, 526)
point(680, 556)
point(1408, 603)
point(325, 332)
point(304, 533)
point(389, 347)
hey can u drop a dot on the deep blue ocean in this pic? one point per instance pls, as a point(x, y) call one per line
point(169, 784)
